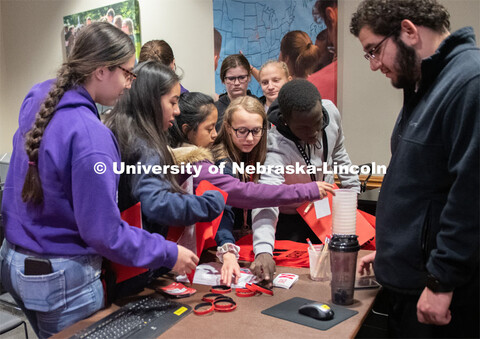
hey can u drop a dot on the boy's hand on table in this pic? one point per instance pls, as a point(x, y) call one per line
point(264, 268)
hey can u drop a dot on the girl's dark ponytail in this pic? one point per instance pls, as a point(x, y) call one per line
point(32, 188)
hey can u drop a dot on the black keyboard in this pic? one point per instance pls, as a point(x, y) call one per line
point(144, 318)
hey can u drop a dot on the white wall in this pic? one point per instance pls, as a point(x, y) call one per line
point(5, 125)
point(31, 51)
point(2, 67)
point(187, 25)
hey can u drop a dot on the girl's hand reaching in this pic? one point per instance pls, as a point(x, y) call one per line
point(230, 267)
point(325, 187)
point(186, 261)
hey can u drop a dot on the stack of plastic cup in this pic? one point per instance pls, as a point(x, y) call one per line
point(344, 212)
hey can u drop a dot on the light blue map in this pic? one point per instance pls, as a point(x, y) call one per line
point(257, 27)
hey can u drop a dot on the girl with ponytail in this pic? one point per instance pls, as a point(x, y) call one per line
point(161, 51)
point(59, 202)
point(300, 54)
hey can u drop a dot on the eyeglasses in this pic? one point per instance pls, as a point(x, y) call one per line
point(130, 76)
point(241, 79)
point(370, 55)
point(243, 132)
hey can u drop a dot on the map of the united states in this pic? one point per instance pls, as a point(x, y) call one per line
point(257, 27)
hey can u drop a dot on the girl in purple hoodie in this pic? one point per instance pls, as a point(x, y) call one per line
point(59, 203)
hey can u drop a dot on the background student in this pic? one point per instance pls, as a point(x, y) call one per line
point(161, 51)
point(300, 54)
point(235, 75)
point(307, 131)
point(272, 76)
point(326, 47)
point(195, 126)
point(59, 202)
point(325, 79)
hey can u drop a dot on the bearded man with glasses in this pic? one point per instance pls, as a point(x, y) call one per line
point(427, 227)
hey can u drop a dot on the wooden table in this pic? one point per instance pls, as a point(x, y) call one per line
point(247, 321)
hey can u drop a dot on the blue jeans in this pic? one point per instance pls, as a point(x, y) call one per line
point(57, 300)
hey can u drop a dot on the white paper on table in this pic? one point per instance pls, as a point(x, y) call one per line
point(322, 208)
point(210, 274)
point(285, 280)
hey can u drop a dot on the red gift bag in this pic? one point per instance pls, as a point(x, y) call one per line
point(133, 216)
point(365, 228)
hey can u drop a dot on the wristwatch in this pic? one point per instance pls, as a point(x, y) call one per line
point(436, 286)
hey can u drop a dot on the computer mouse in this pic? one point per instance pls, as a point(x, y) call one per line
point(317, 310)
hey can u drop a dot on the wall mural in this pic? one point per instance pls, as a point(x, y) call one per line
point(256, 29)
point(124, 15)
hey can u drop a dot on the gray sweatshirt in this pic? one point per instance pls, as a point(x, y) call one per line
point(283, 152)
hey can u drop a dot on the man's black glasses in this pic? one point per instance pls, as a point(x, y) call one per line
point(370, 55)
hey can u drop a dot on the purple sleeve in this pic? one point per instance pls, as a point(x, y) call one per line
point(252, 195)
point(100, 225)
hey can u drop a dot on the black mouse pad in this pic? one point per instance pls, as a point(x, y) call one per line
point(288, 310)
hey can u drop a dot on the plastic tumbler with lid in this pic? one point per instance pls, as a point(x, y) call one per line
point(343, 261)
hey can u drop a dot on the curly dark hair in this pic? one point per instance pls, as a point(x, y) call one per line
point(383, 16)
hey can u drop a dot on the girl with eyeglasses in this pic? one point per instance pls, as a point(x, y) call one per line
point(235, 74)
point(59, 203)
point(242, 139)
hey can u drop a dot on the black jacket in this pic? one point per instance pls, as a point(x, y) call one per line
point(428, 208)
